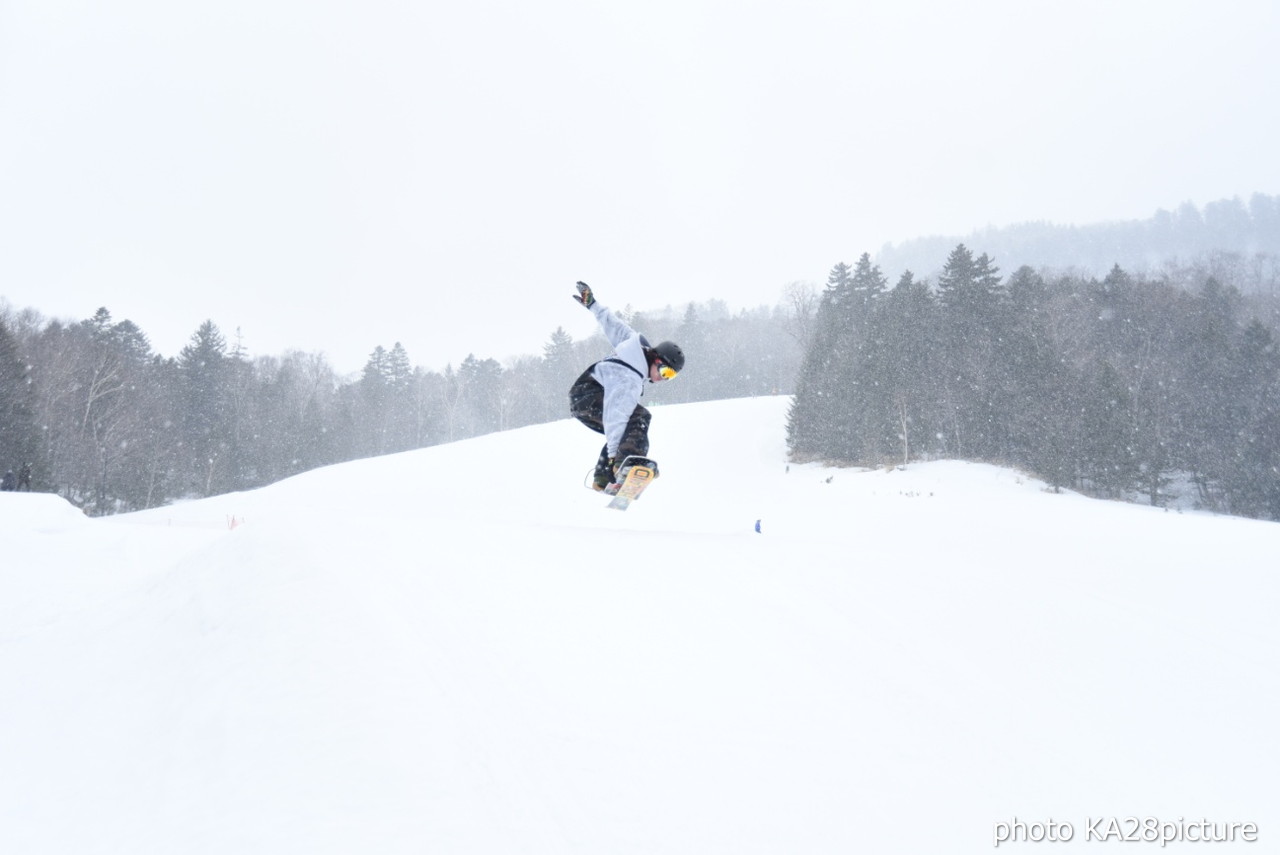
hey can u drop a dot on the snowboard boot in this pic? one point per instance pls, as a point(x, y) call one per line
point(602, 477)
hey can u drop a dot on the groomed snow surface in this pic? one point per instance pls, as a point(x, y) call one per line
point(461, 650)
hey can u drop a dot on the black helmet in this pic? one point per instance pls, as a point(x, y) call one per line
point(670, 353)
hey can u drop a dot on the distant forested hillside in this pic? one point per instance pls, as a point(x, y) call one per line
point(1235, 242)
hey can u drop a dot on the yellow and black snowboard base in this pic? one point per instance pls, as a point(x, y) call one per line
point(634, 475)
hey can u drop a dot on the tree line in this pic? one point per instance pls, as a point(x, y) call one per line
point(1111, 386)
point(1107, 386)
point(112, 426)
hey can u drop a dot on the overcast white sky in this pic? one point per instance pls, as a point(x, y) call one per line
point(330, 175)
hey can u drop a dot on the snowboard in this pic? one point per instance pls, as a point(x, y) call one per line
point(635, 474)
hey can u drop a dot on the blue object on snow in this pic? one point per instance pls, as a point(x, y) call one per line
point(757, 526)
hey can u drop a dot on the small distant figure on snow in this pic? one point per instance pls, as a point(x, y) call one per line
point(10, 481)
point(24, 477)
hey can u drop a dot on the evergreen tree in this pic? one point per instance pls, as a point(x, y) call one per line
point(560, 367)
point(399, 369)
point(957, 283)
point(483, 400)
point(204, 413)
point(1143, 342)
point(818, 421)
point(973, 325)
point(909, 322)
point(1108, 457)
point(1039, 404)
point(373, 415)
point(867, 283)
point(692, 338)
point(401, 410)
point(432, 421)
point(294, 408)
point(1207, 409)
point(840, 284)
point(1251, 462)
point(18, 443)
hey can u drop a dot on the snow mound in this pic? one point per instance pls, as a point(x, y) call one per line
point(42, 512)
point(460, 649)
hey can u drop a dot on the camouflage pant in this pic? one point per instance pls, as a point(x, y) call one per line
point(586, 404)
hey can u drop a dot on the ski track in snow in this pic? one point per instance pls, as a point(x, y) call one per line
point(431, 652)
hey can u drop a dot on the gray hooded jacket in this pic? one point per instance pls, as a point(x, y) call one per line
point(623, 375)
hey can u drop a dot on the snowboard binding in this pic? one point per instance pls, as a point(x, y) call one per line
point(632, 476)
point(620, 474)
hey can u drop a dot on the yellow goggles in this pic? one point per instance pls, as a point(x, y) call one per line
point(665, 371)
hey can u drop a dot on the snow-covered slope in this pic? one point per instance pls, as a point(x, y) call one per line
point(460, 650)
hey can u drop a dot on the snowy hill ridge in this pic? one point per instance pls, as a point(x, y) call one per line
point(460, 650)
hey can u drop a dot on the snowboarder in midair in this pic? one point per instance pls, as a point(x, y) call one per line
point(606, 398)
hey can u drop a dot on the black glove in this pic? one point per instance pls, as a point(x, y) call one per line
point(584, 295)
